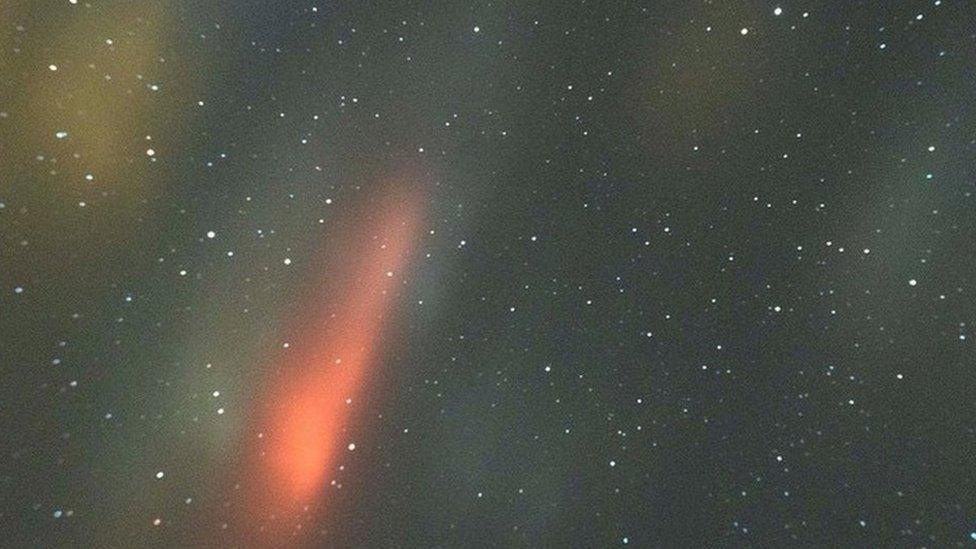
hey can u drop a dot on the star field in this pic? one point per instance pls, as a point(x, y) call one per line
point(487, 274)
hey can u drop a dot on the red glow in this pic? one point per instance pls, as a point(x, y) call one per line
point(304, 412)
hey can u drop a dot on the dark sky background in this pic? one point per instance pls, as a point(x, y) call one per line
point(687, 273)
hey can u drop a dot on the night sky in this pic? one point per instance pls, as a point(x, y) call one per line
point(307, 273)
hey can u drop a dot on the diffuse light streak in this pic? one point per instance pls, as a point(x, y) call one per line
point(306, 408)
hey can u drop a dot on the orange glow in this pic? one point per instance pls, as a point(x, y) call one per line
point(304, 412)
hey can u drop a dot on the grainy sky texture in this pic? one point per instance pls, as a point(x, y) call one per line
point(307, 273)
